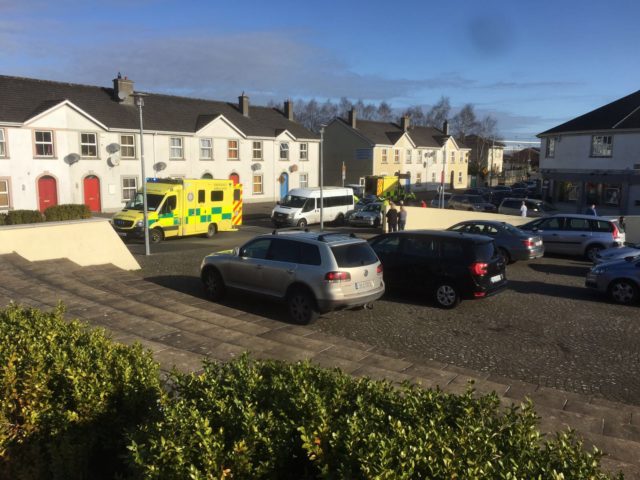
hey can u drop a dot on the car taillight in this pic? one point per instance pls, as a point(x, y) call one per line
point(379, 269)
point(616, 232)
point(337, 277)
point(479, 268)
point(528, 243)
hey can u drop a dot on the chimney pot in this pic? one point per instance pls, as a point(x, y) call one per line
point(352, 117)
point(445, 127)
point(243, 104)
point(405, 122)
point(288, 110)
point(123, 90)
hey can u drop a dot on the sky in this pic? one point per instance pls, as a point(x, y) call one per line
point(530, 64)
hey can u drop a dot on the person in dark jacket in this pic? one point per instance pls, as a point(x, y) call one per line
point(592, 210)
point(392, 218)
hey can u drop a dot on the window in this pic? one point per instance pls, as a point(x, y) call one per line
point(418, 178)
point(256, 249)
point(459, 177)
point(384, 155)
point(127, 146)
point(4, 192)
point(257, 184)
point(206, 149)
point(217, 195)
point(207, 176)
point(175, 150)
point(408, 157)
point(601, 145)
point(304, 152)
point(433, 177)
point(257, 151)
point(201, 196)
point(453, 157)
point(396, 156)
point(169, 205)
point(88, 145)
point(420, 247)
point(129, 188)
point(304, 180)
point(551, 147)
point(232, 150)
point(44, 144)
point(3, 144)
point(284, 151)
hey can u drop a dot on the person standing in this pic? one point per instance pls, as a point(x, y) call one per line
point(402, 217)
point(592, 210)
point(523, 209)
point(392, 218)
point(423, 204)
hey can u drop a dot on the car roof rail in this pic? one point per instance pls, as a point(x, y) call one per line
point(322, 238)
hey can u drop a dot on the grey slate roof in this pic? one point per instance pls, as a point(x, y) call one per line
point(474, 141)
point(23, 98)
point(383, 133)
point(621, 114)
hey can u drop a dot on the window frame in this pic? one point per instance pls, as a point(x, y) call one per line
point(305, 183)
point(4, 144)
point(127, 145)
point(284, 147)
point(602, 145)
point(36, 143)
point(460, 176)
point(396, 155)
point(550, 147)
point(235, 149)
point(83, 144)
point(7, 192)
point(180, 148)
point(124, 188)
point(304, 152)
point(255, 191)
point(407, 157)
point(384, 155)
point(260, 156)
point(203, 148)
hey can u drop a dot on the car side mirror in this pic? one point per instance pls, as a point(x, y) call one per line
point(236, 252)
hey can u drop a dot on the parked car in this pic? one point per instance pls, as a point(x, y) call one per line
point(619, 279)
point(369, 216)
point(512, 243)
point(483, 192)
point(573, 234)
point(519, 192)
point(498, 195)
point(471, 203)
point(447, 266)
point(501, 188)
point(535, 208)
point(436, 201)
point(617, 253)
point(312, 272)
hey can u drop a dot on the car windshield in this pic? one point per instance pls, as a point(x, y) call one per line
point(373, 207)
point(293, 201)
point(354, 255)
point(153, 201)
point(511, 229)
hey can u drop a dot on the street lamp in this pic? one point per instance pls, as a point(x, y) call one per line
point(322, 177)
point(139, 99)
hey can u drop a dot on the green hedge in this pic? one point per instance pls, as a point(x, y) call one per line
point(17, 217)
point(69, 397)
point(3, 218)
point(67, 212)
point(262, 420)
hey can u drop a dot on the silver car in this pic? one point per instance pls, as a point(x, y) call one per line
point(619, 279)
point(313, 272)
point(369, 216)
point(573, 234)
point(617, 253)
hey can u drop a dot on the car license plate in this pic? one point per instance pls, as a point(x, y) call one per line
point(363, 285)
point(538, 243)
point(496, 278)
point(122, 234)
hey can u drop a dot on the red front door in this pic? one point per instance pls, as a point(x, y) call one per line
point(92, 193)
point(47, 192)
point(235, 177)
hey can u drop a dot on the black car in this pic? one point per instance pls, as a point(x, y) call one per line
point(470, 203)
point(447, 266)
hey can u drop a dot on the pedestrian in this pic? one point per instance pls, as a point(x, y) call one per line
point(402, 217)
point(392, 217)
point(621, 223)
point(523, 209)
point(592, 210)
point(423, 204)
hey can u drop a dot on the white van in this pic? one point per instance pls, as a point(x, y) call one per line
point(301, 206)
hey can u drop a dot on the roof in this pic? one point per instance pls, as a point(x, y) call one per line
point(23, 98)
point(388, 133)
point(472, 141)
point(621, 114)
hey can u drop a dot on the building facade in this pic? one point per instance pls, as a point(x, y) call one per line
point(66, 143)
point(595, 159)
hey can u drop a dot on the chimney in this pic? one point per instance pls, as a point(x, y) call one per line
point(404, 122)
point(352, 117)
point(243, 104)
point(445, 127)
point(288, 110)
point(123, 90)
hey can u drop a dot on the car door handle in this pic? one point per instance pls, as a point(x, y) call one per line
point(290, 270)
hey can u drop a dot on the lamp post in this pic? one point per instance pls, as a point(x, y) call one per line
point(322, 177)
point(139, 99)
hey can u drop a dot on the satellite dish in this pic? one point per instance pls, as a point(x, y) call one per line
point(72, 158)
point(114, 160)
point(158, 167)
point(113, 147)
point(256, 166)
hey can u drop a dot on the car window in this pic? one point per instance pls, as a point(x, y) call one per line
point(422, 247)
point(601, 226)
point(282, 250)
point(309, 205)
point(256, 249)
point(354, 255)
point(309, 254)
point(550, 224)
point(475, 228)
point(459, 228)
point(484, 251)
point(387, 244)
point(451, 250)
point(489, 230)
point(577, 224)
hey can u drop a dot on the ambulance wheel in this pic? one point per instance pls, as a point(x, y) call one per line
point(211, 231)
point(156, 235)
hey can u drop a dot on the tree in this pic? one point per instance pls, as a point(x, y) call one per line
point(487, 127)
point(344, 106)
point(384, 112)
point(438, 113)
point(416, 114)
point(464, 122)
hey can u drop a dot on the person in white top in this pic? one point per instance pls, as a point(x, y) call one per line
point(523, 209)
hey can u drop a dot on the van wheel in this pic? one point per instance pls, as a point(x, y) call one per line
point(211, 231)
point(213, 284)
point(340, 219)
point(302, 223)
point(592, 251)
point(623, 292)
point(156, 235)
point(446, 295)
point(302, 306)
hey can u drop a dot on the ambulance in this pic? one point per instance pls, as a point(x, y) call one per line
point(179, 207)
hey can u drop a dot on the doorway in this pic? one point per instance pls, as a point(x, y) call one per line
point(284, 184)
point(235, 177)
point(92, 193)
point(47, 192)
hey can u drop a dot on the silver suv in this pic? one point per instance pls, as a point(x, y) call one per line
point(577, 234)
point(313, 272)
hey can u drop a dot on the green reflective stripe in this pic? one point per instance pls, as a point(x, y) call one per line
point(216, 210)
point(191, 212)
point(226, 216)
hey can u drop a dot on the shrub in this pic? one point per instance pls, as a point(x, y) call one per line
point(18, 217)
point(67, 212)
point(3, 218)
point(69, 397)
point(253, 419)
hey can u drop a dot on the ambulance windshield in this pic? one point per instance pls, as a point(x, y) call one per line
point(153, 201)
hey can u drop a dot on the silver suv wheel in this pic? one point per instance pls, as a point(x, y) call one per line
point(302, 307)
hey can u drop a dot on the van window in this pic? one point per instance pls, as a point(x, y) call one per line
point(309, 205)
point(201, 196)
point(169, 205)
point(216, 195)
point(293, 201)
point(354, 255)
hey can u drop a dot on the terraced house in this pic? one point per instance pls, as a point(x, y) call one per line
point(428, 155)
point(68, 143)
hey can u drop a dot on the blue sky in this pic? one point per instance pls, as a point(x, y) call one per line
point(530, 64)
